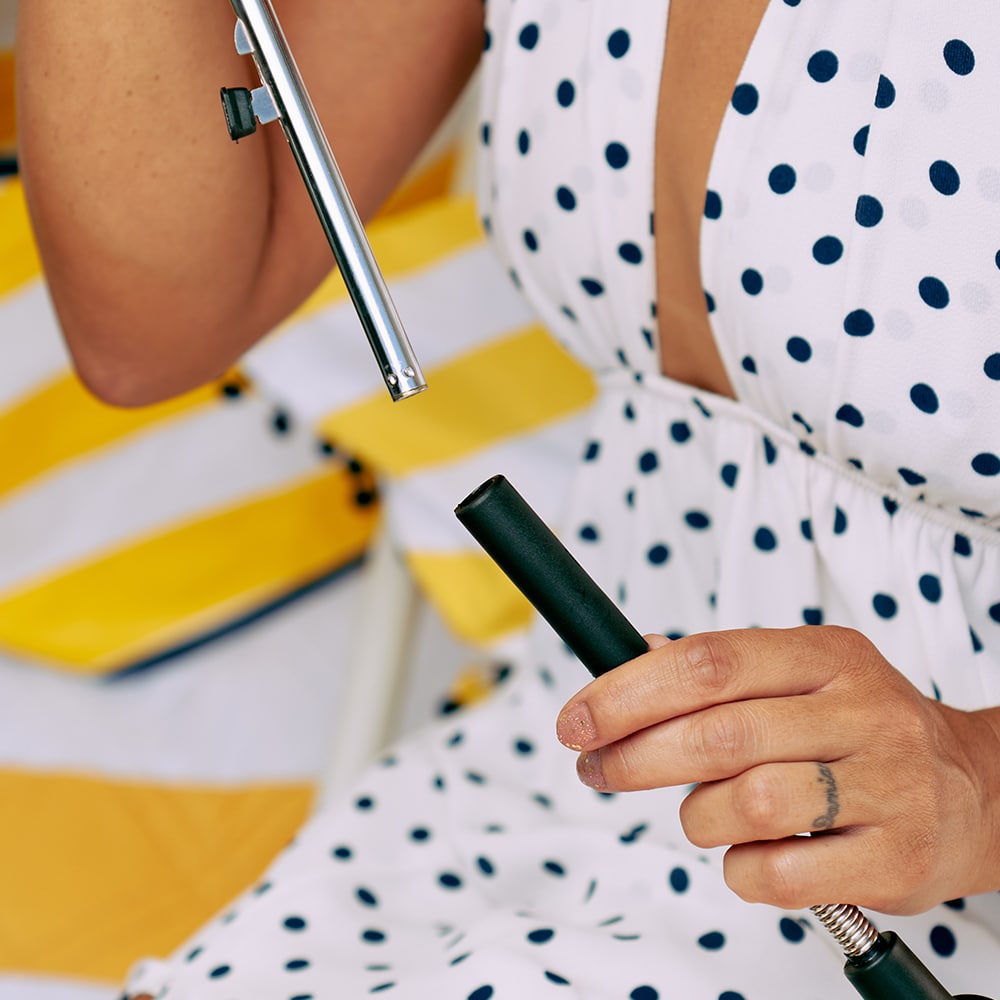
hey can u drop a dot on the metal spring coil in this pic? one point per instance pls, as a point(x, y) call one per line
point(852, 929)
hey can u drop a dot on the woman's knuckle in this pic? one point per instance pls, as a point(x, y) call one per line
point(708, 668)
point(758, 800)
point(720, 740)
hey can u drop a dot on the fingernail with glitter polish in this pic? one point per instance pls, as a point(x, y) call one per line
point(588, 768)
point(575, 726)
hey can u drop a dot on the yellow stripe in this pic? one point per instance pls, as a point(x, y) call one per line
point(102, 873)
point(8, 110)
point(538, 382)
point(19, 261)
point(157, 591)
point(406, 243)
point(472, 593)
point(61, 420)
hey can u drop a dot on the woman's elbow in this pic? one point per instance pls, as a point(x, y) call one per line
point(131, 369)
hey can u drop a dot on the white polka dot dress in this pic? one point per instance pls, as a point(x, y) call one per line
point(851, 265)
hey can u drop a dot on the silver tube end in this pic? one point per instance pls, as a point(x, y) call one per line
point(402, 385)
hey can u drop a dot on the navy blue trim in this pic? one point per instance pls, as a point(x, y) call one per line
point(237, 624)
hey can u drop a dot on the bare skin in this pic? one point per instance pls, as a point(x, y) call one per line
point(897, 798)
point(168, 249)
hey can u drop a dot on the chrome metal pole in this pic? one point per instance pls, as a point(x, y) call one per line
point(283, 96)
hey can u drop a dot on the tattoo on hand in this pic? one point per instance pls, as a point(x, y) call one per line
point(826, 821)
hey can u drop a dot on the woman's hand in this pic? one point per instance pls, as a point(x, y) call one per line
point(795, 731)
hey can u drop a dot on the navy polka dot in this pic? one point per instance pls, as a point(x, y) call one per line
point(839, 521)
point(530, 240)
point(523, 142)
point(294, 924)
point(528, 38)
point(616, 155)
point(712, 941)
point(484, 133)
point(731, 994)
point(911, 478)
point(934, 292)
point(749, 365)
point(618, 43)
point(541, 936)
point(765, 540)
point(554, 977)
point(799, 348)
point(823, 66)
point(944, 177)
point(592, 286)
point(812, 616)
point(364, 803)
point(485, 866)
point(589, 533)
point(644, 993)
point(680, 431)
point(713, 205)
point(297, 964)
point(930, 587)
point(630, 253)
point(860, 140)
point(698, 520)
point(366, 897)
point(648, 461)
point(924, 398)
point(884, 605)
point(679, 880)
point(745, 98)
point(868, 211)
point(791, 930)
point(752, 281)
point(827, 250)
point(986, 464)
point(483, 993)
point(449, 880)
point(992, 367)
point(962, 546)
point(566, 198)
point(850, 415)
point(729, 472)
point(658, 554)
point(342, 853)
point(959, 58)
point(885, 93)
point(220, 971)
point(995, 613)
point(565, 93)
point(781, 179)
point(943, 941)
point(554, 868)
point(859, 323)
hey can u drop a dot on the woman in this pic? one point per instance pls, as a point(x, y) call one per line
point(793, 466)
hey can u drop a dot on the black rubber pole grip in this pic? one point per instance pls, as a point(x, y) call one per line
point(541, 567)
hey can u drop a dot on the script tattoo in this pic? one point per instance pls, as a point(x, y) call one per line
point(826, 821)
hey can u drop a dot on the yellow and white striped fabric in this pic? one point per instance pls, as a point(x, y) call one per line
point(135, 802)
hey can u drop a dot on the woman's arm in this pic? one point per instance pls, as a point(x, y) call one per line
point(169, 249)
